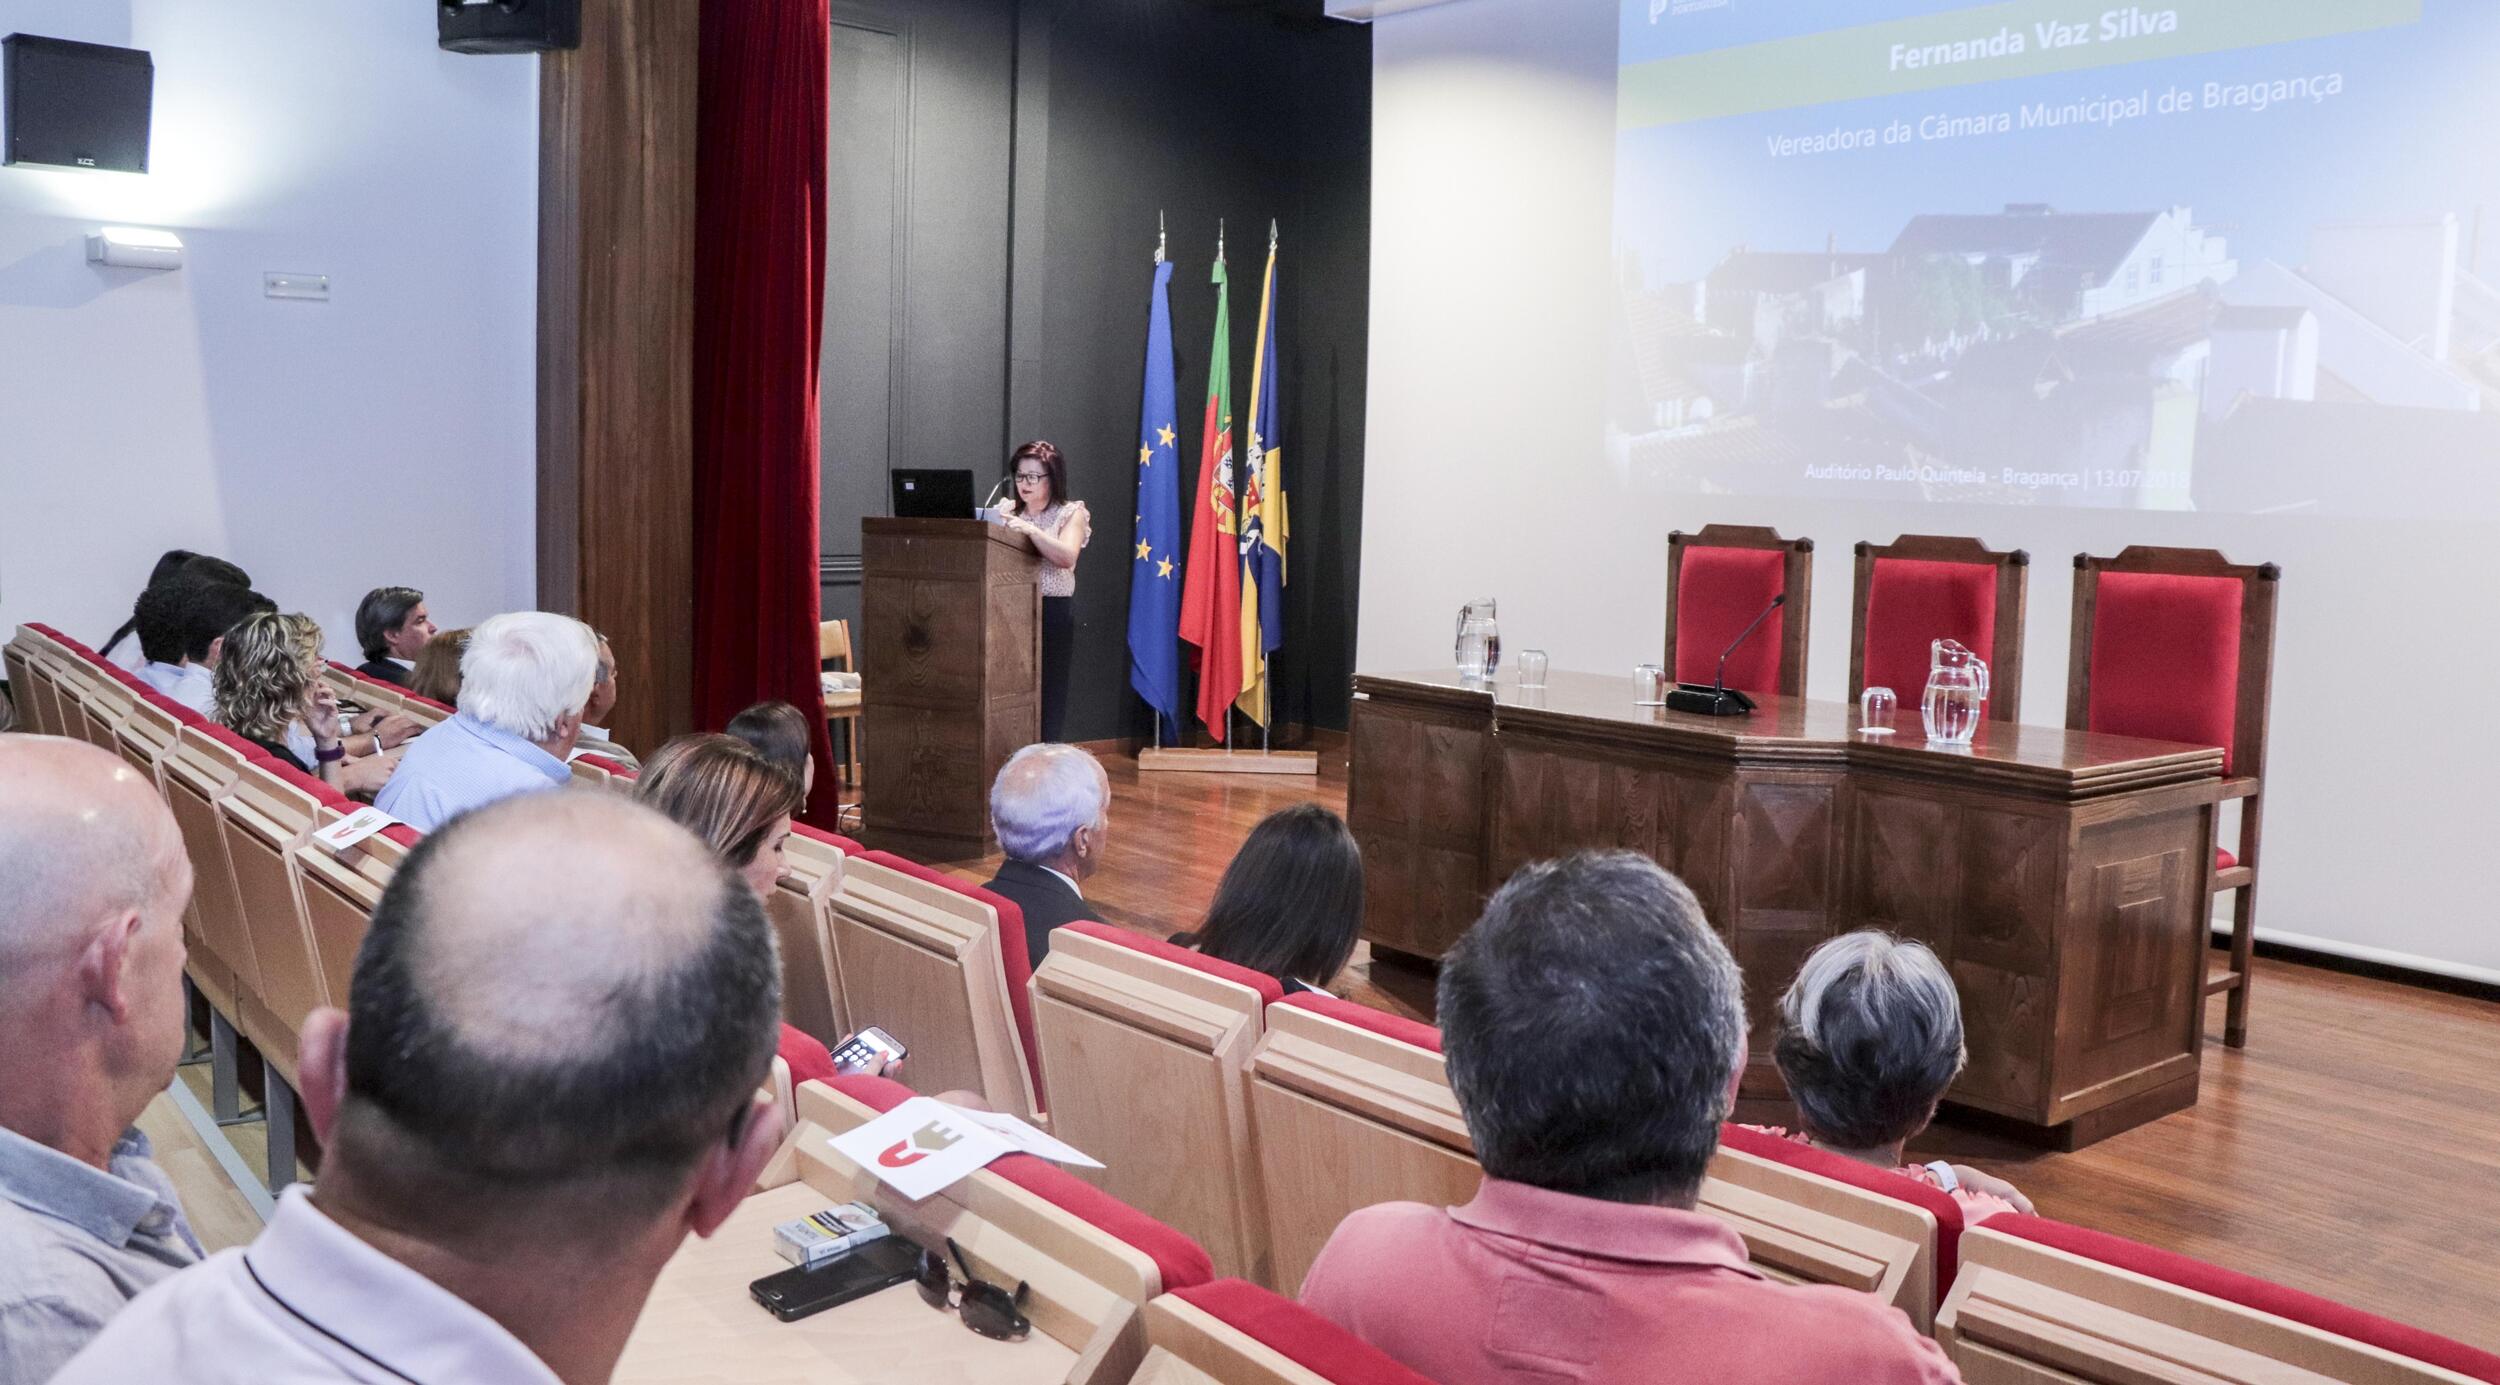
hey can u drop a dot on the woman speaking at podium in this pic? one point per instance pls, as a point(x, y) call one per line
point(1059, 528)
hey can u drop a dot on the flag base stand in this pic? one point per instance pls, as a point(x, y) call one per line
point(1216, 761)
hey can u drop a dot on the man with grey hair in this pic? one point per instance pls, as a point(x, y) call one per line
point(562, 1013)
point(1051, 808)
point(594, 738)
point(1870, 1037)
point(1594, 1029)
point(93, 880)
point(524, 682)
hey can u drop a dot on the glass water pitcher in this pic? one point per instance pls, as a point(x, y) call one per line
point(1479, 640)
point(1957, 688)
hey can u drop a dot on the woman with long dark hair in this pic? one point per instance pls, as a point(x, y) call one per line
point(1291, 902)
point(1060, 528)
point(174, 563)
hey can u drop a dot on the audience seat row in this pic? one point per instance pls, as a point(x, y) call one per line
point(1238, 1125)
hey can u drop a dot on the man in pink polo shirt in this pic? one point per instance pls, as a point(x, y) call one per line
point(1594, 1028)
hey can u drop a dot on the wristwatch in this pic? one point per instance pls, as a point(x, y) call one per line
point(336, 752)
point(1945, 1176)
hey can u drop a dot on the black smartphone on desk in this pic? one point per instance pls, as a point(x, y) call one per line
point(856, 1273)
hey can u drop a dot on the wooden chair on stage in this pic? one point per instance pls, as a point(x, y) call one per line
point(833, 649)
point(2178, 644)
point(1717, 581)
point(2039, 1300)
point(1920, 588)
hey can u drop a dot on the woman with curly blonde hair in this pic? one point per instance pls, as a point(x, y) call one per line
point(269, 691)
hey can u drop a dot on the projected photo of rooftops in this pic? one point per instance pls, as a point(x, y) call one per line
point(2238, 256)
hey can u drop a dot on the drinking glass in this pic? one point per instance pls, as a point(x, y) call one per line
point(1875, 708)
point(1532, 668)
point(1649, 686)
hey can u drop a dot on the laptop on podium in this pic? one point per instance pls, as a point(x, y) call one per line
point(932, 494)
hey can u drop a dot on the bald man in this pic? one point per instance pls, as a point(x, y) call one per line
point(93, 880)
point(561, 1015)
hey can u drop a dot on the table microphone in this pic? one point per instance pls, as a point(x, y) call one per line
point(1718, 699)
point(989, 504)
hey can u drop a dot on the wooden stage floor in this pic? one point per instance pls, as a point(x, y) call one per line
point(2352, 1149)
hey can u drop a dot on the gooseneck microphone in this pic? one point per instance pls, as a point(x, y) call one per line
point(1719, 700)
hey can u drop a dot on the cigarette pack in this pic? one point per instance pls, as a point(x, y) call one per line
point(813, 1239)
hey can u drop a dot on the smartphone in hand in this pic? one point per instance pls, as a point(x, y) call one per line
point(871, 1050)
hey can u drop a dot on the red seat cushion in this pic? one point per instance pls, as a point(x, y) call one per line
point(2166, 658)
point(1718, 591)
point(1912, 602)
point(806, 1055)
point(1179, 1261)
point(1882, 1182)
point(2224, 860)
point(1381, 1022)
point(1298, 1334)
point(1011, 952)
point(445, 708)
point(403, 834)
point(2248, 1291)
point(613, 767)
point(1269, 988)
point(322, 793)
point(235, 743)
point(833, 839)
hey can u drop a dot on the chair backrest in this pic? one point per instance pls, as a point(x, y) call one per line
point(2040, 1300)
point(272, 811)
point(199, 774)
point(109, 701)
point(587, 774)
point(802, 913)
point(83, 716)
point(340, 890)
point(1920, 588)
point(146, 735)
point(1810, 1217)
point(1236, 1333)
point(1345, 1116)
point(1144, 1047)
point(2176, 644)
point(926, 959)
point(29, 688)
point(1717, 581)
point(833, 643)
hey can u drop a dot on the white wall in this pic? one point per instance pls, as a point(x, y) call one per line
point(1492, 146)
point(383, 436)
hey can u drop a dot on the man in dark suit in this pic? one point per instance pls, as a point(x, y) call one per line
point(391, 627)
point(1051, 809)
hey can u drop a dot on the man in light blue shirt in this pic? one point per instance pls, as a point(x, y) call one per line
point(91, 1018)
point(523, 684)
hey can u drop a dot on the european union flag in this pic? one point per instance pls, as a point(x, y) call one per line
point(1154, 589)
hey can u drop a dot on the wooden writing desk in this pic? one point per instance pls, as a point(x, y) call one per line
point(701, 1324)
point(2061, 876)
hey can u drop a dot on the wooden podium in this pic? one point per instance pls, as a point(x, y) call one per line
point(950, 671)
point(2063, 877)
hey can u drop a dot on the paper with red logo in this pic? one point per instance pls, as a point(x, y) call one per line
point(924, 1145)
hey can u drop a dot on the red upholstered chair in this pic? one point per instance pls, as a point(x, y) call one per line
point(1717, 581)
point(1937, 1223)
point(1240, 1334)
point(1414, 1033)
point(2177, 644)
point(341, 889)
point(2039, 1299)
point(1921, 588)
point(1145, 1045)
point(1012, 957)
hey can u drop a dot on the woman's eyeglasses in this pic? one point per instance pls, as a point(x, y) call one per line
point(1032, 475)
point(986, 1308)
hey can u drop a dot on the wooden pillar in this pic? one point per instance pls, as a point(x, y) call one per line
point(616, 180)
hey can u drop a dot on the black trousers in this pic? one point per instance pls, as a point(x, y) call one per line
point(1058, 646)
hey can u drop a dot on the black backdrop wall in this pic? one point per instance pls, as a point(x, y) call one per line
point(997, 170)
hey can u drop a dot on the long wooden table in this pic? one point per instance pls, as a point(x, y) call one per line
point(2064, 877)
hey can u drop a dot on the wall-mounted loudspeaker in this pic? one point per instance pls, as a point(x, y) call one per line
point(507, 26)
point(79, 105)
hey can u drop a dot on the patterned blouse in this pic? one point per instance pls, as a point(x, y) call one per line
point(1976, 1205)
point(1055, 580)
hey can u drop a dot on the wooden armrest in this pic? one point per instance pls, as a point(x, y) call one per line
point(2244, 787)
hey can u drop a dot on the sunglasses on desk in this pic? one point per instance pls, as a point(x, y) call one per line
point(986, 1308)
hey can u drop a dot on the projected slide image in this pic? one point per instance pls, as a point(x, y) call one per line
point(2225, 255)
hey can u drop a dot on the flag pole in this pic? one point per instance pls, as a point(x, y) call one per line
point(1228, 711)
point(1160, 241)
point(1267, 680)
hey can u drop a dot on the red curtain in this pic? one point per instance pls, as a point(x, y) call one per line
point(758, 294)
